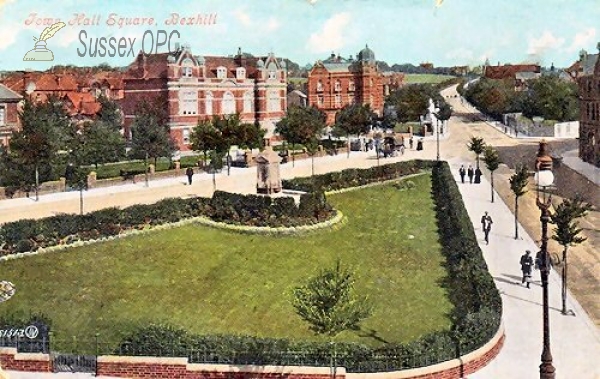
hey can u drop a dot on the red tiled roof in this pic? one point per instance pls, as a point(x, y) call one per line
point(509, 71)
point(82, 103)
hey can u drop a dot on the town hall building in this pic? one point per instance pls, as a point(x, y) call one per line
point(194, 88)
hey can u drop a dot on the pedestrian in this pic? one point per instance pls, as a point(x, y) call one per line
point(410, 142)
point(402, 149)
point(470, 174)
point(420, 144)
point(462, 172)
point(478, 174)
point(189, 172)
point(526, 264)
point(486, 225)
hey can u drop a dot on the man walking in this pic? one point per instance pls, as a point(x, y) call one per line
point(486, 225)
point(189, 172)
point(462, 172)
point(470, 174)
point(526, 264)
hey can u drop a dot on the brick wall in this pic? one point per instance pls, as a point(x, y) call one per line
point(34, 362)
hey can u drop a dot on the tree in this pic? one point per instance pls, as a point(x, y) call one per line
point(302, 125)
point(45, 130)
point(518, 185)
point(110, 113)
point(354, 119)
point(329, 304)
point(567, 232)
point(151, 138)
point(100, 144)
point(551, 98)
point(476, 145)
point(444, 113)
point(492, 162)
point(410, 102)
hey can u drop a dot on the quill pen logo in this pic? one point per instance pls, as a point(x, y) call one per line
point(40, 52)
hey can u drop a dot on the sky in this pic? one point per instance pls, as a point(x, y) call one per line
point(443, 32)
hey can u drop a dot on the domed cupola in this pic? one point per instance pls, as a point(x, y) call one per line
point(366, 54)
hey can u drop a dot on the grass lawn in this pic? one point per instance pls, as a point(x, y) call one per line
point(425, 78)
point(212, 281)
point(113, 170)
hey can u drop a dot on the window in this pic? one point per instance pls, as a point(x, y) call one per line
point(189, 102)
point(186, 136)
point(248, 100)
point(186, 70)
point(351, 99)
point(351, 86)
point(2, 115)
point(208, 103)
point(221, 72)
point(338, 100)
point(228, 103)
point(319, 86)
point(273, 101)
point(338, 85)
point(272, 75)
point(320, 100)
point(240, 73)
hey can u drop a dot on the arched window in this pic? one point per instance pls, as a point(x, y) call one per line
point(188, 100)
point(248, 100)
point(208, 103)
point(228, 103)
point(186, 69)
point(319, 86)
point(338, 85)
point(273, 101)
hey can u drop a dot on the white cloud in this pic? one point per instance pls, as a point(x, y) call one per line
point(547, 41)
point(583, 39)
point(9, 31)
point(332, 35)
point(273, 24)
point(243, 17)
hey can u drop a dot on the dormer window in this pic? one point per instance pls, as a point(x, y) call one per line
point(338, 85)
point(240, 73)
point(221, 72)
point(351, 86)
point(319, 86)
point(186, 70)
point(272, 75)
point(2, 115)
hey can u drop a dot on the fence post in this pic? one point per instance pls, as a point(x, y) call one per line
point(96, 361)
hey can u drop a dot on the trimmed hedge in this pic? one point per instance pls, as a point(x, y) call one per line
point(477, 303)
point(354, 177)
point(252, 210)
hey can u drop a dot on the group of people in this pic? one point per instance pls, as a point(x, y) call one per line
point(474, 175)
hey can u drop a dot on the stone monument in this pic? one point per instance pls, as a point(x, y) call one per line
point(268, 179)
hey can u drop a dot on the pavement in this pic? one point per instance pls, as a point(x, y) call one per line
point(571, 159)
point(575, 340)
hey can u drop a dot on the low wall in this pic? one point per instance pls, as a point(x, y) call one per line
point(45, 188)
point(34, 362)
point(178, 368)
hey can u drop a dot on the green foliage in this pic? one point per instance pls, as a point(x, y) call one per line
point(354, 119)
point(110, 114)
point(551, 98)
point(476, 145)
point(356, 177)
point(519, 180)
point(150, 135)
point(491, 158)
point(494, 97)
point(445, 111)
point(564, 217)
point(328, 302)
point(301, 125)
point(98, 143)
point(410, 102)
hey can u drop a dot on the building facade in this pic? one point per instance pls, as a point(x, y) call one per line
point(518, 73)
point(9, 113)
point(195, 88)
point(589, 108)
point(336, 82)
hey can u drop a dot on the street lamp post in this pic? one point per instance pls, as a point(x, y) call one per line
point(543, 179)
point(437, 133)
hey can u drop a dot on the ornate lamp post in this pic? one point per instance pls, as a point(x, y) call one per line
point(543, 179)
point(437, 132)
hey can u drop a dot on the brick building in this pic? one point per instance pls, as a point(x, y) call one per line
point(588, 79)
point(9, 116)
point(195, 88)
point(518, 73)
point(336, 82)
